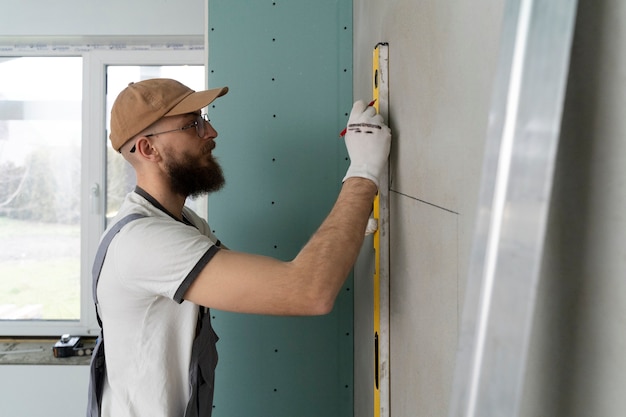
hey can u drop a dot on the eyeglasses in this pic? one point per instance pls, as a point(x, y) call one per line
point(199, 124)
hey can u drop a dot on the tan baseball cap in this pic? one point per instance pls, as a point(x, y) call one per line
point(144, 102)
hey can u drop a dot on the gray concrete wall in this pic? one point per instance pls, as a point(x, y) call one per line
point(441, 64)
point(442, 57)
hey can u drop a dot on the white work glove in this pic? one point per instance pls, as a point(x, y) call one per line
point(368, 140)
point(372, 226)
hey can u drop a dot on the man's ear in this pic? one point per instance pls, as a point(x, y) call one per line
point(145, 148)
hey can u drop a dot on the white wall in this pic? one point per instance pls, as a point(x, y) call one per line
point(51, 391)
point(43, 390)
point(44, 18)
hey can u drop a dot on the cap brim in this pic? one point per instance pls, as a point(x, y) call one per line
point(196, 101)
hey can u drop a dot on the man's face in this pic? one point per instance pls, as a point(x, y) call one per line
point(191, 167)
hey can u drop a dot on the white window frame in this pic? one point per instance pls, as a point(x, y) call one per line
point(93, 173)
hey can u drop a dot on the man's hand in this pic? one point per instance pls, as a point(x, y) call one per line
point(368, 140)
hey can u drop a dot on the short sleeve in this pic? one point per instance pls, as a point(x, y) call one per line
point(160, 256)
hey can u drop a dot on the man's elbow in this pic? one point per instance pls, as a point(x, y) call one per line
point(321, 308)
point(317, 291)
point(320, 303)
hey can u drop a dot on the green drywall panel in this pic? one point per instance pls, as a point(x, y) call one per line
point(289, 68)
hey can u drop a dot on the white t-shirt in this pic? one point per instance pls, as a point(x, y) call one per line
point(148, 327)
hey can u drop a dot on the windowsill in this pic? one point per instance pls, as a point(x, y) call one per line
point(37, 352)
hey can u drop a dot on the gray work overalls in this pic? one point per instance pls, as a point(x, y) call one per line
point(203, 352)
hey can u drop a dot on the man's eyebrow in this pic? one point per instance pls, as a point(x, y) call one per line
point(191, 117)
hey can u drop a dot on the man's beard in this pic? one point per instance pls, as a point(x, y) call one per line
point(190, 178)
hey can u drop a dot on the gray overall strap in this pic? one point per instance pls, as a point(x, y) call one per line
point(104, 246)
point(98, 369)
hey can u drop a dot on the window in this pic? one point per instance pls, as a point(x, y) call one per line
point(60, 180)
point(40, 163)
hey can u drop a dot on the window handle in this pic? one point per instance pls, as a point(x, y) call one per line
point(94, 198)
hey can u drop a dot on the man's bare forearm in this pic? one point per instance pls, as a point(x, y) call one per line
point(331, 252)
